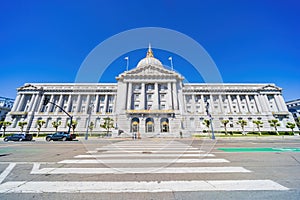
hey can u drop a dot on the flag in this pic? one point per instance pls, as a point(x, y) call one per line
point(126, 58)
point(170, 58)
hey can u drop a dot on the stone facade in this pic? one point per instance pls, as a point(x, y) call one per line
point(151, 100)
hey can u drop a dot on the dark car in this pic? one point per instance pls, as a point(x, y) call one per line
point(60, 136)
point(18, 137)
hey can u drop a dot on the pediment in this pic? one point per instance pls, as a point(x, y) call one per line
point(150, 71)
point(28, 87)
point(270, 87)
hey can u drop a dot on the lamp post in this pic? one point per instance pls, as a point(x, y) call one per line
point(210, 119)
point(90, 108)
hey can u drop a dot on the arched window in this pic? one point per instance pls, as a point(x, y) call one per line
point(135, 124)
point(149, 125)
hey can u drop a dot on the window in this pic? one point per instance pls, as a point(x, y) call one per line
point(163, 107)
point(110, 109)
point(149, 97)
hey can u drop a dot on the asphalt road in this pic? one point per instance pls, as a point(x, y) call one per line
point(150, 169)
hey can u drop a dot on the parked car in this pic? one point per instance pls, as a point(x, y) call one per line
point(18, 137)
point(60, 136)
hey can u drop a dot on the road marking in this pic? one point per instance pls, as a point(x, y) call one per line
point(145, 161)
point(152, 170)
point(259, 149)
point(137, 187)
point(144, 155)
point(147, 151)
point(148, 148)
point(27, 163)
point(5, 173)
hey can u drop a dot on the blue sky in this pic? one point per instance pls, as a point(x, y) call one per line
point(250, 41)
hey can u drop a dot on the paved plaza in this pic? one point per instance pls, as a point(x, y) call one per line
point(153, 168)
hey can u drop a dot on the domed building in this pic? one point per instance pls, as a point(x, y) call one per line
point(150, 100)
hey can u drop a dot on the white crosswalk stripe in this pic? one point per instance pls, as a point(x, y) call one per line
point(139, 158)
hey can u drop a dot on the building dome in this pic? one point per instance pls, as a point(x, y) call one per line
point(149, 60)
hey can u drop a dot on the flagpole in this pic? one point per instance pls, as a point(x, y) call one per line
point(127, 63)
point(171, 60)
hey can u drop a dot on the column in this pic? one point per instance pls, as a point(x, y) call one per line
point(221, 104)
point(170, 97)
point(265, 99)
point(105, 103)
point(211, 104)
point(96, 104)
point(230, 103)
point(239, 104)
point(16, 103)
point(87, 103)
point(175, 99)
point(156, 97)
point(142, 103)
point(69, 103)
point(202, 104)
point(41, 104)
point(35, 103)
point(78, 103)
point(59, 103)
point(248, 103)
point(32, 100)
point(257, 103)
point(129, 96)
point(50, 105)
point(21, 102)
point(283, 105)
point(193, 107)
point(278, 103)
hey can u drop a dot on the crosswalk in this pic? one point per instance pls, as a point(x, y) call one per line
point(140, 157)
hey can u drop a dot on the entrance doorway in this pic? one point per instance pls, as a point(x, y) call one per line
point(164, 125)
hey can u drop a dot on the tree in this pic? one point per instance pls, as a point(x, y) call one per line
point(56, 124)
point(206, 122)
point(225, 122)
point(39, 124)
point(258, 124)
point(4, 125)
point(73, 125)
point(21, 125)
point(274, 123)
point(291, 126)
point(242, 123)
point(91, 127)
point(107, 124)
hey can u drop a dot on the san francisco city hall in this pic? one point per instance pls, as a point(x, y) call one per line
point(151, 100)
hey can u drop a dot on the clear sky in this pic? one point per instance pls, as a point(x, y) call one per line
point(251, 41)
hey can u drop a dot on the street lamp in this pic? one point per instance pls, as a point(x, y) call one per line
point(210, 119)
point(46, 101)
point(89, 111)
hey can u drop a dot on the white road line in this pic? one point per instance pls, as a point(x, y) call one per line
point(152, 170)
point(5, 173)
point(137, 187)
point(147, 151)
point(145, 161)
point(27, 163)
point(147, 148)
point(91, 151)
point(145, 155)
